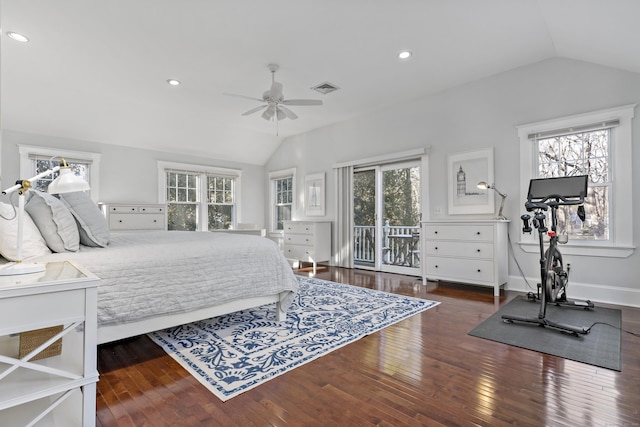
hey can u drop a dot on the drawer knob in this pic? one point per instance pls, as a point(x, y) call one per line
point(119, 220)
point(436, 266)
point(435, 232)
point(477, 250)
point(436, 248)
point(478, 270)
point(478, 233)
point(155, 220)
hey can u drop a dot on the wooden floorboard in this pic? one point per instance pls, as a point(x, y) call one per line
point(424, 370)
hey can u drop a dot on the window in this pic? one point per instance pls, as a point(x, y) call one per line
point(35, 160)
point(182, 200)
point(581, 153)
point(596, 144)
point(220, 200)
point(199, 198)
point(282, 197)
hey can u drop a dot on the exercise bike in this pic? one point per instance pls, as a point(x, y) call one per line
point(547, 195)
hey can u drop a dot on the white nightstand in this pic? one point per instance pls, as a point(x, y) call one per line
point(58, 390)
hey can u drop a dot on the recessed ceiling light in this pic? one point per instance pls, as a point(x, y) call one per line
point(405, 54)
point(17, 37)
point(173, 82)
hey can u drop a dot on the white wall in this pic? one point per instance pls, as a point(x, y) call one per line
point(130, 175)
point(484, 114)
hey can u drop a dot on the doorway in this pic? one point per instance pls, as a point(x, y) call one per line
point(386, 217)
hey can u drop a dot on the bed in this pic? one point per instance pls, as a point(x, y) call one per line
point(152, 280)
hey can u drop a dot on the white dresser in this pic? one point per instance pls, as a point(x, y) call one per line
point(135, 216)
point(466, 251)
point(307, 241)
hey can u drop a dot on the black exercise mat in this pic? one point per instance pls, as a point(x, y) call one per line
point(600, 347)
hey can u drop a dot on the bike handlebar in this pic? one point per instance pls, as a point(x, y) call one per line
point(552, 200)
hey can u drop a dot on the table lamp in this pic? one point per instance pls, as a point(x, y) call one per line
point(483, 185)
point(66, 182)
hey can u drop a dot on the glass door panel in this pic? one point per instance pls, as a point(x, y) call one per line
point(401, 218)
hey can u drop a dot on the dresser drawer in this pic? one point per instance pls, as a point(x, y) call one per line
point(136, 222)
point(298, 228)
point(299, 239)
point(123, 209)
point(459, 232)
point(299, 252)
point(459, 249)
point(469, 270)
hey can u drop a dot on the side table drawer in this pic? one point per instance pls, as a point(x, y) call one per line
point(31, 312)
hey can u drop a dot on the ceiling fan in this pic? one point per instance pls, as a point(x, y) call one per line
point(274, 105)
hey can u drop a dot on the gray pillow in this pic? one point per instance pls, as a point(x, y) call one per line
point(92, 225)
point(55, 222)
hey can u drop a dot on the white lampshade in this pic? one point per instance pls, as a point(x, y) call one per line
point(67, 182)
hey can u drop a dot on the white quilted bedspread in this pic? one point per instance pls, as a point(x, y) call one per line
point(148, 273)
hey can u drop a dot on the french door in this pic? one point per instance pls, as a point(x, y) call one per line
point(386, 217)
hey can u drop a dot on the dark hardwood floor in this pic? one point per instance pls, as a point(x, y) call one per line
point(424, 370)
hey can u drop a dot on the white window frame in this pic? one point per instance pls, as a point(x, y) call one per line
point(620, 243)
point(273, 176)
point(204, 171)
point(27, 165)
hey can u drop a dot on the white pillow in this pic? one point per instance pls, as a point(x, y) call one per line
point(32, 242)
point(92, 225)
point(55, 222)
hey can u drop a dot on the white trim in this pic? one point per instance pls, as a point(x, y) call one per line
point(26, 164)
point(386, 158)
point(598, 293)
point(236, 174)
point(620, 244)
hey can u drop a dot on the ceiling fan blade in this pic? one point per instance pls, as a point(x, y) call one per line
point(287, 112)
point(302, 102)
point(242, 96)
point(253, 110)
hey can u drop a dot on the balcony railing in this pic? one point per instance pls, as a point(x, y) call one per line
point(400, 245)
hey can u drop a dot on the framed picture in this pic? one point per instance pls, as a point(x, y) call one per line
point(465, 171)
point(314, 194)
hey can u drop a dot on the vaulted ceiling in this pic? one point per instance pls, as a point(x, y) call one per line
point(97, 70)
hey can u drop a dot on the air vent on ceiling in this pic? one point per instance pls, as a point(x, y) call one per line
point(325, 88)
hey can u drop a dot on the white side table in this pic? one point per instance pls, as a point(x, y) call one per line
point(58, 390)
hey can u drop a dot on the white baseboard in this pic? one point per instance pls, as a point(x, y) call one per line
point(584, 291)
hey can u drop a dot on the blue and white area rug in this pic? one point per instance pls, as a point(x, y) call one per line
point(236, 352)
